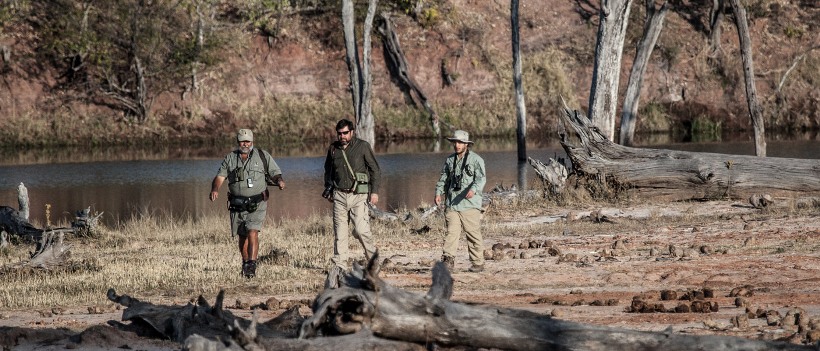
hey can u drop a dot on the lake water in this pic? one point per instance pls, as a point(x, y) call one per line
point(174, 182)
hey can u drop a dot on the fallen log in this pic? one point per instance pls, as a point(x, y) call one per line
point(365, 302)
point(681, 174)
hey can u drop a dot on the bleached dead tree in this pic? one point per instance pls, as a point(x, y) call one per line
point(755, 110)
point(603, 95)
point(361, 80)
point(651, 30)
point(520, 107)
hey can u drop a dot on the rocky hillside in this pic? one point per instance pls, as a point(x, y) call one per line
point(289, 76)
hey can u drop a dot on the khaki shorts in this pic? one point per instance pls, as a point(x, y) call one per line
point(242, 222)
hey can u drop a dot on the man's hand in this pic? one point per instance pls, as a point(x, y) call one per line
point(438, 200)
point(214, 195)
point(470, 194)
point(281, 184)
point(374, 198)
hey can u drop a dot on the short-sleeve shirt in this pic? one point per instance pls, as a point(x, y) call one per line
point(238, 172)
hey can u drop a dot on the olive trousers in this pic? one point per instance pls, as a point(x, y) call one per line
point(350, 208)
point(469, 222)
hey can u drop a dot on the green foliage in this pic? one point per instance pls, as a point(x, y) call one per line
point(793, 32)
point(705, 129)
point(653, 117)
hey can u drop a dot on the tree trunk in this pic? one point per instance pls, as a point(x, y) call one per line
point(352, 55)
point(678, 175)
point(520, 107)
point(755, 110)
point(715, 20)
point(22, 201)
point(603, 95)
point(651, 31)
point(398, 63)
point(366, 122)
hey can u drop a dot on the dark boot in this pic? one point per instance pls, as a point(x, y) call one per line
point(245, 268)
point(251, 269)
point(450, 261)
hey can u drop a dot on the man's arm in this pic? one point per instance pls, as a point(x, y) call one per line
point(442, 182)
point(480, 178)
point(329, 167)
point(373, 172)
point(215, 185)
point(275, 172)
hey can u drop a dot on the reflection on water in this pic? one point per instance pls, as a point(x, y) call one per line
point(174, 181)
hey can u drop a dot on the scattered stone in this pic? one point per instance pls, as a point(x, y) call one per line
point(668, 295)
point(744, 291)
point(772, 318)
point(272, 303)
point(673, 251)
point(708, 293)
point(761, 200)
point(682, 308)
point(740, 322)
point(554, 251)
point(557, 313)
point(524, 255)
point(576, 292)
point(653, 252)
point(711, 324)
point(570, 257)
point(242, 305)
point(499, 256)
point(511, 253)
point(597, 303)
point(706, 249)
point(523, 246)
point(542, 300)
point(579, 303)
point(498, 247)
point(534, 244)
point(619, 245)
point(813, 336)
point(488, 254)
point(741, 302)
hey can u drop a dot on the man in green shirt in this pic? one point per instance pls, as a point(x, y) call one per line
point(352, 178)
point(246, 169)
point(462, 183)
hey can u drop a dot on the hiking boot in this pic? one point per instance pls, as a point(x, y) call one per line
point(450, 261)
point(245, 268)
point(477, 268)
point(251, 271)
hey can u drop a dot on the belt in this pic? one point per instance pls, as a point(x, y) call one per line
point(347, 191)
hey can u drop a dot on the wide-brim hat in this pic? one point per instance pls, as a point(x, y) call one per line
point(461, 136)
point(244, 135)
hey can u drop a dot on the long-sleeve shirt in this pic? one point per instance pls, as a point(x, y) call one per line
point(362, 160)
point(472, 176)
point(238, 172)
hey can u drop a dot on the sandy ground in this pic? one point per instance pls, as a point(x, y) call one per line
point(588, 278)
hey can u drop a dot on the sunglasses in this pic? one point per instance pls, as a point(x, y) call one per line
point(343, 133)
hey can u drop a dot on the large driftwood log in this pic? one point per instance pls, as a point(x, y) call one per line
point(681, 174)
point(368, 303)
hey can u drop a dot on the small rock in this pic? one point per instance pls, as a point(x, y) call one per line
point(242, 305)
point(557, 313)
point(488, 254)
point(272, 303)
point(524, 255)
point(813, 336)
point(740, 322)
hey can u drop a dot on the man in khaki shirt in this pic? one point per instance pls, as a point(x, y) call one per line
point(352, 178)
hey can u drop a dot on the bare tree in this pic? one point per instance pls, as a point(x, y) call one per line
point(715, 19)
point(755, 110)
point(603, 95)
point(359, 69)
point(520, 107)
point(651, 30)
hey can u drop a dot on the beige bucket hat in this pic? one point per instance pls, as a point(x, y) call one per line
point(461, 136)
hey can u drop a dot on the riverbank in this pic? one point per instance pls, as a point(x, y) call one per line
point(592, 252)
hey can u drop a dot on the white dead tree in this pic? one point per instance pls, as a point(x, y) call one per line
point(755, 110)
point(520, 107)
point(603, 95)
point(361, 79)
point(651, 30)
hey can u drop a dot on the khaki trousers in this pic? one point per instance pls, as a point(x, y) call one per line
point(468, 221)
point(349, 207)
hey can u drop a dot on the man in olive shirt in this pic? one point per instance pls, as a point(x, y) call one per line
point(462, 183)
point(244, 168)
point(347, 157)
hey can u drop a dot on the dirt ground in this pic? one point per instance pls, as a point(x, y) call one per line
point(600, 260)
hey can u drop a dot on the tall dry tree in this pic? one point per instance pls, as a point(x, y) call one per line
point(755, 110)
point(361, 79)
point(651, 30)
point(603, 95)
point(520, 107)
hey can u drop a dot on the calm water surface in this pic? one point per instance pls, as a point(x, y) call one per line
point(175, 182)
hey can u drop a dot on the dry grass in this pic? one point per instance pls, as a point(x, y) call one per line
point(160, 259)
